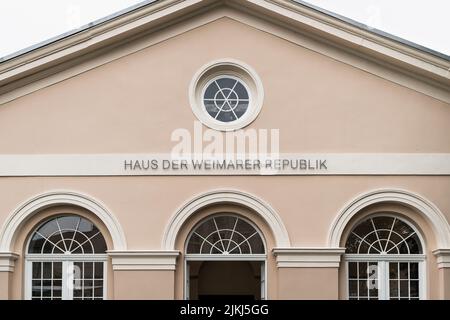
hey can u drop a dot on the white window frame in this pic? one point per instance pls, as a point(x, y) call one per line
point(384, 259)
point(67, 261)
point(231, 68)
point(235, 78)
point(383, 271)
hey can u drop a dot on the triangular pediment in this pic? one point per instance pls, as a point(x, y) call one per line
point(402, 63)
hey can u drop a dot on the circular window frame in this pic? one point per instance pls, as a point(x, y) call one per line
point(223, 68)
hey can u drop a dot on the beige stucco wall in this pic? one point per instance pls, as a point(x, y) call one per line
point(138, 285)
point(133, 104)
point(308, 283)
point(307, 206)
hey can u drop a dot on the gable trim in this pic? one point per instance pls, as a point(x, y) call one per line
point(18, 78)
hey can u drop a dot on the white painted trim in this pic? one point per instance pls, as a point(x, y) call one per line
point(442, 258)
point(144, 259)
point(308, 257)
point(39, 202)
point(225, 257)
point(268, 214)
point(296, 16)
point(383, 272)
point(385, 257)
point(67, 262)
point(28, 275)
point(187, 281)
point(7, 261)
point(235, 68)
point(63, 165)
point(66, 257)
point(430, 212)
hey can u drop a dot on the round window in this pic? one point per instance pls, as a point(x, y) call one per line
point(226, 98)
point(226, 95)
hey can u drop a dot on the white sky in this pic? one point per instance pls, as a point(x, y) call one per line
point(26, 22)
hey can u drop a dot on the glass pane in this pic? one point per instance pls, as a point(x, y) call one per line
point(414, 270)
point(383, 234)
point(226, 99)
point(212, 108)
point(36, 270)
point(404, 274)
point(241, 91)
point(36, 243)
point(78, 270)
point(98, 288)
point(352, 244)
point(414, 245)
point(362, 270)
point(393, 288)
point(363, 290)
point(47, 270)
point(57, 270)
point(67, 233)
point(88, 270)
point(240, 109)
point(404, 288)
point(353, 288)
point(372, 270)
point(373, 288)
point(47, 288)
point(393, 270)
point(352, 270)
point(77, 293)
point(88, 288)
point(57, 288)
point(36, 287)
point(98, 270)
point(226, 116)
point(225, 235)
point(414, 288)
point(226, 82)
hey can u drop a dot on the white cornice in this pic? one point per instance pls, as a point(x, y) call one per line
point(144, 259)
point(103, 164)
point(7, 261)
point(442, 258)
point(60, 55)
point(308, 257)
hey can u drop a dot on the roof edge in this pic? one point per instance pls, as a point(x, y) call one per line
point(375, 31)
point(151, 14)
point(72, 32)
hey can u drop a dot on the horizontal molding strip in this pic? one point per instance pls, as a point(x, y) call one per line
point(165, 164)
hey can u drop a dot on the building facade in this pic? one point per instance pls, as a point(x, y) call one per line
point(199, 149)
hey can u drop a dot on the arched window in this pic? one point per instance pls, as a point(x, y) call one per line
point(384, 257)
point(225, 256)
point(225, 235)
point(66, 260)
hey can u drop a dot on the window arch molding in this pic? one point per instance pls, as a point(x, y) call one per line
point(235, 197)
point(54, 198)
point(428, 210)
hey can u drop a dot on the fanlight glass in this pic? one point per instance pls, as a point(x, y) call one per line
point(225, 235)
point(383, 235)
point(67, 235)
